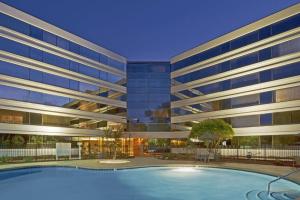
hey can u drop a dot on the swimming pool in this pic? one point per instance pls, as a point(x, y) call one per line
point(155, 183)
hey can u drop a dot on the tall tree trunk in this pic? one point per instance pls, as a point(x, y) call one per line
point(115, 152)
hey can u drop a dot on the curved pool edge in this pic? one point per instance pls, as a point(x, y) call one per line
point(145, 166)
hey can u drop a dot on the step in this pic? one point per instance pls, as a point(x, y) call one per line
point(263, 195)
point(252, 195)
point(281, 196)
point(292, 194)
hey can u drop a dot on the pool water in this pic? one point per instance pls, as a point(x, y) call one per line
point(154, 183)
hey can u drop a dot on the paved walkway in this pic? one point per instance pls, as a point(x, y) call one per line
point(149, 161)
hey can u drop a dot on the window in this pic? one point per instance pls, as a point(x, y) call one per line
point(88, 71)
point(36, 33)
point(244, 81)
point(266, 119)
point(244, 101)
point(62, 43)
point(266, 97)
point(245, 121)
point(14, 70)
point(35, 119)
point(49, 38)
point(75, 48)
point(36, 54)
point(36, 76)
point(288, 94)
point(265, 76)
point(244, 60)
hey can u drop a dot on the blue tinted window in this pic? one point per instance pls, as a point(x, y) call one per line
point(225, 66)
point(211, 88)
point(55, 100)
point(103, 75)
point(288, 24)
point(75, 48)
point(14, 24)
point(13, 70)
point(74, 85)
point(266, 119)
point(266, 97)
point(49, 38)
point(286, 71)
point(55, 60)
point(265, 54)
point(74, 66)
point(36, 33)
point(13, 47)
point(148, 96)
point(88, 71)
point(36, 76)
point(285, 25)
point(89, 53)
point(285, 48)
point(265, 32)
point(36, 54)
point(7, 92)
point(265, 76)
point(244, 81)
point(56, 80)
point(244, 40)
point(35, 97)
point(85, 87)
point(62, 43)
point(244, 60)
point(113, 78)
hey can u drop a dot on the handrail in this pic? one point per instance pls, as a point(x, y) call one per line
point(280, 177)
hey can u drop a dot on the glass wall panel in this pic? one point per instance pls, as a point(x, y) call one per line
point(148, 96)
point(50, 38)
point(33, 75)
point(287, 94)
point(251, 79)
point(263, 33)
point(285, 48)
point(23, 50)
point(245, 121)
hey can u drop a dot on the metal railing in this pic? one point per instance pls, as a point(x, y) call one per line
point(287, 153)
point(284, 153)
point(279, 178)
point(31, 152)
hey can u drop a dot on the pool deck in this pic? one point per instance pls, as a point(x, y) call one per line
point(149, 161)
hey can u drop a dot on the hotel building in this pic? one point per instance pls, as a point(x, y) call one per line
point(54, 83)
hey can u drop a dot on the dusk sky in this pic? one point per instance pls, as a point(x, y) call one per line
point(149, 30)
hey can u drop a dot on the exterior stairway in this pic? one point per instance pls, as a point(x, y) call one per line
point(263, 195)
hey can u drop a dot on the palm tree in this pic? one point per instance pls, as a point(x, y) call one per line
point(115, 134)
point(212, 132)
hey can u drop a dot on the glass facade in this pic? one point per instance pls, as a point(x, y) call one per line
point(38, 55)
point(289, 47)
point(148, 99)
point(148, 96)
point(224, 89)
point(261, 34)
point(33, 60)
point(37, 33)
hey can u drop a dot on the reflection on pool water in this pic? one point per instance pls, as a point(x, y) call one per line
point(141, 184)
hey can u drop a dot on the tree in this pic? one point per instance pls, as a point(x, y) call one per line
point(212, 132)
point(114, 134)
point(18, 140)
point(37, 139)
